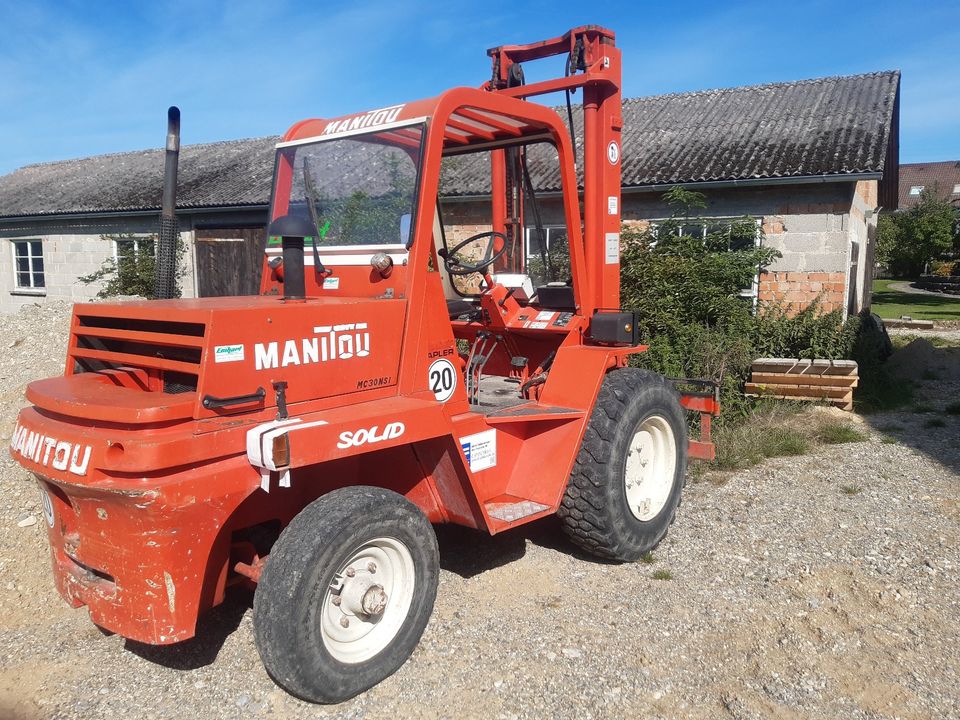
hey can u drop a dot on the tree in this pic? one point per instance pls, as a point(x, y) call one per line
point(908, 240)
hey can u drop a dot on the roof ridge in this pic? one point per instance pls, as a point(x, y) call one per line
point(761, 86)
point(120, 153)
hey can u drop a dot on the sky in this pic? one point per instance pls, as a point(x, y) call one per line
point(80, 78)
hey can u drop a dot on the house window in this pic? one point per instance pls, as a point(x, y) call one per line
point(916, 189)
point(739, 234)
point(132, 253)
point(547, 260)
point(28, 264)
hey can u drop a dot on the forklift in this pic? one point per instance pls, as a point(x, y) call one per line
point(408, 362)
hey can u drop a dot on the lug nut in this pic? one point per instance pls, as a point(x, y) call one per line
point(350, 572)
point(372, 567)
point(344, 622)
point(336, 600)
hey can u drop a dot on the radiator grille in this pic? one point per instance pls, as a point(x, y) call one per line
point(170, 350)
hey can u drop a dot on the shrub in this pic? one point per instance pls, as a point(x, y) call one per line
point(686, 286)
point(133, 270)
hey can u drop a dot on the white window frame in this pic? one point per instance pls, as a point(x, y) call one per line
point(915, 190)
point(32, 288)
point(956, 189)
point(547, 229)
point(753, 292)
point(136, 240)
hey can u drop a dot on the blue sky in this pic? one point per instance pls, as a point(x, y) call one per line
point(81, 78)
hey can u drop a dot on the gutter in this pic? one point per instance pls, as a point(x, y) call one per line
point(710, 184)
point(148, 212)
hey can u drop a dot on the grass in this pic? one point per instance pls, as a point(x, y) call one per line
point(935, 422)
point(647, 558)
point(901, 340)
point(851, 490)
point(922, 408)
point(953, 408)
point(929, 375)
point(888, 440)
point(892, 304)
point(777, 430)
point(662, 575)
point(835, 433)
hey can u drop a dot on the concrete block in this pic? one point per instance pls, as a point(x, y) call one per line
point(803, 242)
point(815, 223)
point(825, 262)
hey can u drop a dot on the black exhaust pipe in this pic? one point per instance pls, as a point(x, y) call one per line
point(165, 284)
point(292, 229)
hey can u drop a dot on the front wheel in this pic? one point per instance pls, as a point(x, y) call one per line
point(346, 593)
point(625, 486)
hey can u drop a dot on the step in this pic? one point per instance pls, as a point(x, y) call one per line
point(508, 509)
point(532, 411)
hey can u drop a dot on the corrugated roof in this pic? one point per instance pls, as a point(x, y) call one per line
point(830, 126)
point(939, 178)
point(221, 174)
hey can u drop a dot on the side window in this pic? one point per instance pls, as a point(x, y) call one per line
point(534, 223)
point(28, 264)
point(466, 210)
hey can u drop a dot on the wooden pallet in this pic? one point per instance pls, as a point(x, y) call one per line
point(832, 381)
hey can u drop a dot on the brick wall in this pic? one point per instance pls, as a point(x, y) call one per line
point(796, 290)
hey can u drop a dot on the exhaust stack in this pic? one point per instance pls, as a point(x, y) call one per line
point(165, 284)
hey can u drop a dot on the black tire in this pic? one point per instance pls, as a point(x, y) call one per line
point(299, 571)
point(594, 511)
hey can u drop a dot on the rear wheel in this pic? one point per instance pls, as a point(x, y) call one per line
point(625, 486)
point(346, 593)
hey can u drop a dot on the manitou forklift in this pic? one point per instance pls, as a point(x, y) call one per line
point(410, 360)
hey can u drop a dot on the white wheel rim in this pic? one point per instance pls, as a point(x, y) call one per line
point(651, 465)
point(378, 574)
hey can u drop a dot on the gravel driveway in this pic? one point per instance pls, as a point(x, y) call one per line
point(824, 586)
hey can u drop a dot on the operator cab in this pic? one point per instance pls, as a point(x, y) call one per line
point(385, 199)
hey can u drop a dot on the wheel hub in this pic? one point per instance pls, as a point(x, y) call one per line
point(650, 467)
point(367, 600)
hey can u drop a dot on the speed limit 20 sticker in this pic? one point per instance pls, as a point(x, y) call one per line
point(442, 378)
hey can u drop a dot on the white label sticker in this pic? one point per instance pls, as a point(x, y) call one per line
point(613, 152)
point(228, 353)
point(538, 325)
point(47, 504)
point(331, 283)
point(481, 450)
point(612, 255)
point(612, 205)
point(545, 316)
point(442, 378)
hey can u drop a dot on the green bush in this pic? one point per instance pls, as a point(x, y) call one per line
point(810, 333)
point(686, 286)
point(133, 270)
point(907, 240)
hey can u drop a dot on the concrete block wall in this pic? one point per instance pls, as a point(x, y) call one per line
point(72, 249)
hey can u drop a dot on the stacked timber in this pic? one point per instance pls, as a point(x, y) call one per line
point(831, 381)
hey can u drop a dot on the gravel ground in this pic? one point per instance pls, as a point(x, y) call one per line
point(817, 587)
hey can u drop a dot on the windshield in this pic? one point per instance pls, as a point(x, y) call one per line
point(357, 190)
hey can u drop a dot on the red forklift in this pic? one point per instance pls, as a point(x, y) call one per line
point(406, 363)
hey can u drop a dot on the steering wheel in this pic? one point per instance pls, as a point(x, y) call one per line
point(458, 267)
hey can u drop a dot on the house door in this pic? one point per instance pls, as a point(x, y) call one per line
point(229, 262)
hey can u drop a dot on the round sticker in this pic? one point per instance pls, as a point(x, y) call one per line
point(443, 379)
point(47, 504)
point(613, 152)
